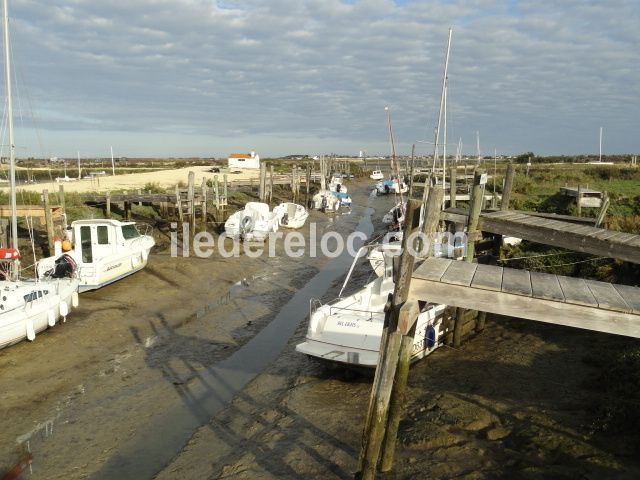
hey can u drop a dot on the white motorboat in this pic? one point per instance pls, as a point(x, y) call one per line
point(291, 215)
point(253, 223)
point(392, 185)
point(104, 251)
point(325, 201)
point(336, 184)
point(343, 198)
point(348, 329)
point(376, 175)
point(27, 307)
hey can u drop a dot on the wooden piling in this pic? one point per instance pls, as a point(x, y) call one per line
point(307, 187)
point(263, 181)
point(127, 210)
point(140, 193)
point(411, 166)
point(294, 171)
point(61, 198)
point(579, 201)
point(508, 186)
point(270, 183)
point(179, 204)
point(225, 188)
point(203, 202)
point(375, 423)
point(603, 210)
point(190, 201)
point(108, 205)
point(48, 220)
point(452, 186)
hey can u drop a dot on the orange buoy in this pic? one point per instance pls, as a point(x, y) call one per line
point(66, 245)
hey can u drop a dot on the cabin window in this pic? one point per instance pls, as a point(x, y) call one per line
point(85, 244)
point(130, 231)
point(103, 235)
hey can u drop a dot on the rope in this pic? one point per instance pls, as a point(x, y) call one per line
point(534, 256)
point(574, 263)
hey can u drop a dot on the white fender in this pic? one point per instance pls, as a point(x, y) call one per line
point(31, 333)
point(75, 300)
point(64, 310)
point(51, 318)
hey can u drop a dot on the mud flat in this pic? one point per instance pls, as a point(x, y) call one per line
point(126, 381)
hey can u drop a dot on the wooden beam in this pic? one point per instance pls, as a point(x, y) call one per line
point(530, 308)
point(508, 186)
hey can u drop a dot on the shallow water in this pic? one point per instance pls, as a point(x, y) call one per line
point(211, 390)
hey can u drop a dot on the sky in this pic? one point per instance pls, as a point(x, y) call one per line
point(206, 78)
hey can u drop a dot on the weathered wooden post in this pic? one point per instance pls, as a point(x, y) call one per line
point(375, 422)
point(508, 186)
point(203, 202)
point(452, 186)
point(307, 187)
point(270, 183)
point(472, 233)
point(139, 195)
point(216, 193)
point(61, 198)
point(108, 205)
point(406, 325)
point(603, 210)
point(411, 165)
point(48, 219)
point(179, 204)
point(191, 204)
point(579, 201)
point(225, 188)
point(294, 171)
point(127, 210)
point(263, 181)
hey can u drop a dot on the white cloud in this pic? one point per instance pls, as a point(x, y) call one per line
point(220, 75)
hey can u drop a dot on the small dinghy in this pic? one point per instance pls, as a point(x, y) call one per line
point(392, 185)
point(377, 175)
point(343, 198)
point(325, 201)
point(291, 215)
point(348, 329)
point(253, 223)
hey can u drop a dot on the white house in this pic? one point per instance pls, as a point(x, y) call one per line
point(244, 160)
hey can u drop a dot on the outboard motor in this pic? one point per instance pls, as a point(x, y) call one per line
point(324, 204)
point(65, 266)
point(285, 219)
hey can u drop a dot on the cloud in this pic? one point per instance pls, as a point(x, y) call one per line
point(219, 76)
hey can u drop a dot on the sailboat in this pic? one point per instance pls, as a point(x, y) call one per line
point(27, 307)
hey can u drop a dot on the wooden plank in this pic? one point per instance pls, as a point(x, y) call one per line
point(459, 273)
point(604, 234)
point(530, 308)
point(546, 285)
point(607, 297)
point(487, 277)
point(516, 281)
point(631, 296)
point(575, 291)
point(432, 268)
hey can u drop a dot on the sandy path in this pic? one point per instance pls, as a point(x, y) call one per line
point(134, 181)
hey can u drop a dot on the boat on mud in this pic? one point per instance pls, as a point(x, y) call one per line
point(253, 223)
point(377, 175)
point(348, 330)
point(325, 201)
point(100, 251)
point(291, 215)
point(392, 185)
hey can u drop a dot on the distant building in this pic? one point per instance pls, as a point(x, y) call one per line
point(244, 160)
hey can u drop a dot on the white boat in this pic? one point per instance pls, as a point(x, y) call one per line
point(253, 223)
point(291, 215)
point(376, 175)
point(348, 329)
point(27, 307)
point(103, 250)
point(343, 198)
point(392, 185)
point(325, 201)
point(335, 185)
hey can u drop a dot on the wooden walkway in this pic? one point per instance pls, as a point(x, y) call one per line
point(543, 297)
point(581, 238)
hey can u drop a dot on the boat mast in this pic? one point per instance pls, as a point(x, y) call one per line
point(113, 165)
point(78, 164)
point(600, 144)
point(442, 101)
point(12, 147)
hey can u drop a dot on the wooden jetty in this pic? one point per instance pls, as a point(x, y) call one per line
point(585, 197)
point(587, 304)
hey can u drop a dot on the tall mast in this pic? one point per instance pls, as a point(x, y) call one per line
point(113, 165)
point(601, 144)
point(442, 101)
point(444, 140)
point(78, 164)
point(478, 145)
point(12, 147)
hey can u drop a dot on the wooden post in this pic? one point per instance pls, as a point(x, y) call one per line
point(203, 202)
point(270, 183)
point(127, 210)
point(579, 201)
point(48, 220)
point(411, 165)
point(179, 204)
point(482, 317)
point(216, 193)
point(603, 210)
point(225, 189)
point(139, 201)
point(508, 186)
point(294, 171)
point(431, 218)
point(452, 186)
point(108, 205)
point(263, 181)
point(375, 423)
point(472, 225)
point(190, 201)
point(61, 198)
point(307, 186)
